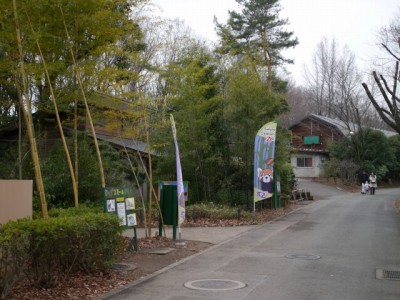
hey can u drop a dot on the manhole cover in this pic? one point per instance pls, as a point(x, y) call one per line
point(303, 256)
point(214, 285)
point(123, 267)
point(387, 274)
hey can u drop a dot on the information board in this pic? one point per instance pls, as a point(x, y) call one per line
point(120, 201)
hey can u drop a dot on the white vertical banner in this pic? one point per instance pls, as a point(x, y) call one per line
point(179, 181)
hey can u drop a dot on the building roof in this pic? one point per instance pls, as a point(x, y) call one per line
point(344, 128)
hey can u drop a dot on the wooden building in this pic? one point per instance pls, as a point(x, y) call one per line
point(310, 140)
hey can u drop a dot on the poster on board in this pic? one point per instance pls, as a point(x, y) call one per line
point(120, 201)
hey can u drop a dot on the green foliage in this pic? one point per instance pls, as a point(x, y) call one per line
point(394, 166)
point(105, 40)
point(210, 210)
point(257, 32)
point(49, 249)
point(9, 162)
point(286, 175)
point(14, 255)
point(57, 179)
point(74, 212)
point(331, 168)
point(248, 106)
point(367, 150)
point(192, 86)
point(216, 130)
point(217, 108)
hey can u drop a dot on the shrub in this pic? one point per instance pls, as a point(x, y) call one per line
point(57, 178)
point(14, 244)
point(214, 211)
point(286, 178)
point(49, 249)
point(73, 212)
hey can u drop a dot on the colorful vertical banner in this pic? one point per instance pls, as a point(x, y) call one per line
point(264, 153)
point(179, 180)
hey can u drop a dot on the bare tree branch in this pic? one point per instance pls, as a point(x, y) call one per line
point(390, 52)
point(391, 92)
point(381, 111)
point(383, 91)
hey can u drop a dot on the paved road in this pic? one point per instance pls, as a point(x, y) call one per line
point(329, 249)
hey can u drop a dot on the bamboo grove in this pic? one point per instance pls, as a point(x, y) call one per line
point(85, 61)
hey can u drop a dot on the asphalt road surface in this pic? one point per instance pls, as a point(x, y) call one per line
point(344, 247)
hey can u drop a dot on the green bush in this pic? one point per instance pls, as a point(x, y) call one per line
point(286, 178)
point(214, 211)
point(57, 179)
point(49, 249)
point(73, 212)
point(14, 244)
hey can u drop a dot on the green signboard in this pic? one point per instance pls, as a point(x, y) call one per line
point(120, 201)
point(311, 140)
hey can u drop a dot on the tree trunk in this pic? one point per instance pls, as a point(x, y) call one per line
point(28, 119)
point(53, 98)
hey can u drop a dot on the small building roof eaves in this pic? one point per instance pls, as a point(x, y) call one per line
point(342, 127)
point(127, 143)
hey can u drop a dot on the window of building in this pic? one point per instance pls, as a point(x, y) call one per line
point(304, 162)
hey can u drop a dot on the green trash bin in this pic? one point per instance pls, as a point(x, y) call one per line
point(169, 208)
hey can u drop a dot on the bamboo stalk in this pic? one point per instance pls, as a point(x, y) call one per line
point(156, 195)
point(78, 77)
point(19, 141)
point(152, 189)
point(28, 118)
point(76, 158)
point(53, 98)
point(150, 174)
point(137, 183)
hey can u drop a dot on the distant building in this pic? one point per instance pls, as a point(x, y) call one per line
point(310, 139)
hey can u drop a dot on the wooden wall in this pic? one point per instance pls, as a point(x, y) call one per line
point(309, 127)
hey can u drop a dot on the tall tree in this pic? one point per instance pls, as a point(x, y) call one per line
point(105, 42)
point(387, 101)
point(368, 150)
point(248, 106)
point(332, 85)
point(258, 32)
point(320, 78)
point(192, 96)
point(299, 106)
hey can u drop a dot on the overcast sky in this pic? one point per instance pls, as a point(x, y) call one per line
point(351, 22)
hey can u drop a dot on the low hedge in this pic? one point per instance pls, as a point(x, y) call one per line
point(215, 211)
point(47, 250)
